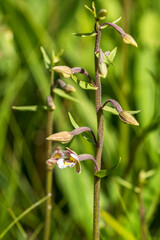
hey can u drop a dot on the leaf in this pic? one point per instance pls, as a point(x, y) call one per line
point(91, 34)
point(134, 112)
point(82, 84)
point(32, 108)
point(16, 220)
point(89, 9)
point(56, 58)
point(105, 172)
point(110, 110)
point(46, 59)
point(117, 226)
point(74, 124)
point(109, 59)
point(85, 135)
point(62, 94)
point(127, 184)
point(115, 21)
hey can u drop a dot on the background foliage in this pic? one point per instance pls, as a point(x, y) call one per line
point(133, 81)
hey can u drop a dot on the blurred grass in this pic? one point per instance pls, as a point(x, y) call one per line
point(133, 80)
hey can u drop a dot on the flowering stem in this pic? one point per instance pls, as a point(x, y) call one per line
point(83, 71)
point(142, 215)
point(83, 129)
point(83, 157)
point(115, 104)
point(98, 154)
point(119, 29)
point(49, 171)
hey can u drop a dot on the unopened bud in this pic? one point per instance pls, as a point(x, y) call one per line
point(126, 117)
point(63, 137)
point(103, 70)
point(69, 88)
point(102, 65)
point(128, 39)
point(102, 14)
point(50, 103)
point(65, 71)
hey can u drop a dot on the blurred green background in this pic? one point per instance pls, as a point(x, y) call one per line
point(133, 81)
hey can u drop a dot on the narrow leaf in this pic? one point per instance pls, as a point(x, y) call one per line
point(62, 94)
point(82, 84)
point(32, 108)
point(115, 21)
point(109, 59)
point(110, 110)
point(134, 112)
point(85, 135)
point(106, 172)
point(91, 34)
point(73, 122)
point(127, 185)
point(117, 226)
point(89, 9)
point(23, 214)
point(46, 59)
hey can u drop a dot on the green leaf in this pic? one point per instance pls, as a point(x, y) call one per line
point(127, 185)
point(16, 220)
point(91, 34)
point(56, 58)
point(46, 59)
point(110, 110)
point(74, 124)
point(109, 59)
point(134, 112)
point(105, 172)
point(82, 84)
point(89, 9)
point(85, 135)
point(112, 222)
point(115, 21)
point(62, 94)
point(32, 108)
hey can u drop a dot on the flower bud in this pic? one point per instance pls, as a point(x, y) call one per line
point(102, 14)
point(69, 88)
point(50, 103)
point(65, 71)
point(63, 137)
point(102, 65)
point(126, 117)
point(128, 39)
point(103, 70)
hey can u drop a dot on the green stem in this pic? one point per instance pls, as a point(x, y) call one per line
point(100, 123)
point(142, 215)
point(49, 171)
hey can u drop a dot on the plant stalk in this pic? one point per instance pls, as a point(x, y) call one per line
point(142, 216)
point(49, 171)
point(100, 126)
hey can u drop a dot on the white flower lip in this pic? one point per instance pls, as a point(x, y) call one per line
point(61, 164)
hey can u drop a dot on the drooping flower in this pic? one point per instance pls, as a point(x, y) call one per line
point(64, 158)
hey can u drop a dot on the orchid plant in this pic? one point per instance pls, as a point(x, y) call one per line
point(68, 158)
